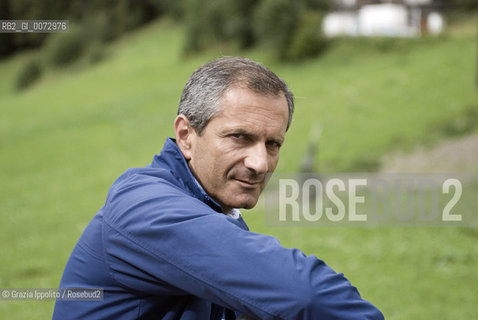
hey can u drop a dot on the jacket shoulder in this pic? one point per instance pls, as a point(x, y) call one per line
point(145, 195)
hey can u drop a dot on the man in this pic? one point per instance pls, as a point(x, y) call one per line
point(169, 243)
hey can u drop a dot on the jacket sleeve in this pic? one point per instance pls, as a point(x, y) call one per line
point(160, 241)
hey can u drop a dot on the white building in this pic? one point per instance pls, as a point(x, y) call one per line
point(407, 19)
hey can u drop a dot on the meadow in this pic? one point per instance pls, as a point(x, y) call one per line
point(67, 138)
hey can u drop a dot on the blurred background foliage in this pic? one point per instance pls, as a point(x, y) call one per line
point(287, 29)
point(208, 22)
point(244, 23)
point(81, 107)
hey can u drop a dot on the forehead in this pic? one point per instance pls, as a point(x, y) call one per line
point(240, 105)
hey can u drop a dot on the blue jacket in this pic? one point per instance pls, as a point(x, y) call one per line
point(161, 249)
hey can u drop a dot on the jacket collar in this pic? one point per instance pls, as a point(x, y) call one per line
point(172, 158)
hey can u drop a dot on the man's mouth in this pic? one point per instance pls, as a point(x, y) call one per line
point(248, 183)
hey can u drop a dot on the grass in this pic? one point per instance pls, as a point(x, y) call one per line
point(66, 139)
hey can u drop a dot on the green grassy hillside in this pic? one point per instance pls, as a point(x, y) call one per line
point(66, 139)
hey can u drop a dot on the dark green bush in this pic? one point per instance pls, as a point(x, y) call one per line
point(290, 29)
point(308, 40)
point(320, 5)
point(96, 53)
point(130, 14)
point(205, 23)
point(211, 22)
point(28, 10)
point(65, 48)
point(462, 4)
point(464, 123)
point(100, 27)
point(275, 23)
point(28, 75)
point(239, 23)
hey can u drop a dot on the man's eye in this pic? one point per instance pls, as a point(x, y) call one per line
point(274, 145)
point(238, 136)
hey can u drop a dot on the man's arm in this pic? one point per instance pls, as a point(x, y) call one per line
point(180, 242)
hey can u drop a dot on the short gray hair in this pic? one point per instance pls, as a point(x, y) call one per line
point(202, 93)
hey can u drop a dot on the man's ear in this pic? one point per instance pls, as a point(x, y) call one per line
point(185, 135)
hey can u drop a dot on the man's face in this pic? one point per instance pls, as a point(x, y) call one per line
point(239, 146)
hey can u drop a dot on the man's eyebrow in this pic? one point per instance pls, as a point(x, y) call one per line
point(228, 131)
point(238, 130)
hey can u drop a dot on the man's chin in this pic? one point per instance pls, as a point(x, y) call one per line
point(247, 202)
point(240, 198)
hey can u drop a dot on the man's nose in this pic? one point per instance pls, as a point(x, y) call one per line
point(257, 159)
